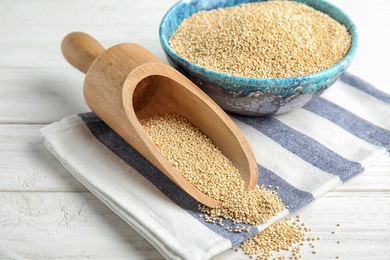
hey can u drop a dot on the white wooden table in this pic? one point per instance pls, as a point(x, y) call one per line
point(46, 214)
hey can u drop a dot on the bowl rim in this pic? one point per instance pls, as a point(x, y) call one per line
point(164, 41)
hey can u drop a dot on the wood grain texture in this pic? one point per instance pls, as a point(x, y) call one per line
point(33, 96)
point(81, 50)
point(46, 214)
point(79, 226)
point(41, 225)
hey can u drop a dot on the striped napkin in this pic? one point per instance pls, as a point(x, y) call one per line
point(306, 153)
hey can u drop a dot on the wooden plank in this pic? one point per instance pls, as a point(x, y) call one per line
point(372, 23)
point(39, 225)
point(78, 225)
point(34, 29)
point(40, 96)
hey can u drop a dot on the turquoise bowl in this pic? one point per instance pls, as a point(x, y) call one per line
point(254, 96)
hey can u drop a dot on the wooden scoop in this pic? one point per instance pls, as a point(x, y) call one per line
point(126, 83)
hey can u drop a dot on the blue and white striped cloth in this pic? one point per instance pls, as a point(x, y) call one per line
point(305, 153)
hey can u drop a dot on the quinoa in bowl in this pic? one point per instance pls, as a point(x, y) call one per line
point(259, 58)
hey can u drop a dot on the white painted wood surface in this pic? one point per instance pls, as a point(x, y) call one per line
point(46, 214)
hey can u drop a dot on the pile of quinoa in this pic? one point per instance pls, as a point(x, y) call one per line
point(271, 39)
point(203, 164)
point(286, 239)
point(277, 237)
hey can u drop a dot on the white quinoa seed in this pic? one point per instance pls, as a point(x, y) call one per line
point(270, 39)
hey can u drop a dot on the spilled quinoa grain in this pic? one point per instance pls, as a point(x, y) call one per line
point(270, 39)
point(282, 240)
point(202, 163)
point(277, 237)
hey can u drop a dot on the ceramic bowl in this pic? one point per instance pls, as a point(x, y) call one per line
point(253, 96)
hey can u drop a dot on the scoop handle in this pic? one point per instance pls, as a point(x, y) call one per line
point(81, 50)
